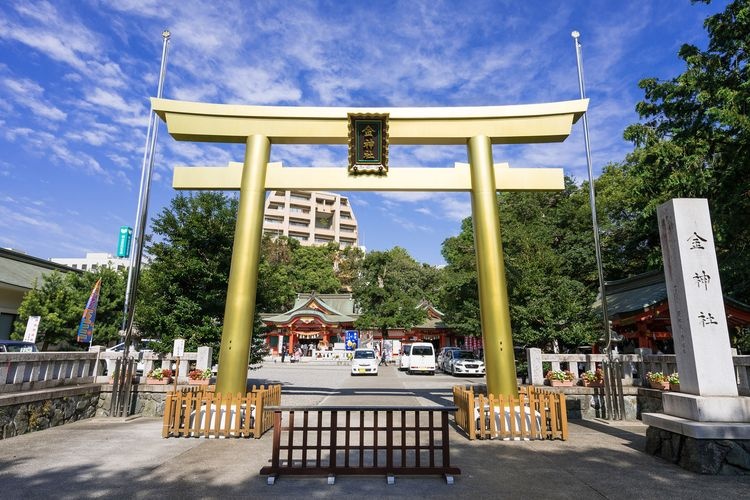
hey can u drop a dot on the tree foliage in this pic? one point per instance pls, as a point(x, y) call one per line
point(389, 290)
point(694, 141)
point(545, 257)
point(60, 300)
point(182, 291)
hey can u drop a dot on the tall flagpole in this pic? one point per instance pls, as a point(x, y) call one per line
point(592, 199)
point(142, 211)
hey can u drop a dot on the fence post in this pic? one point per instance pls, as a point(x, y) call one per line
point(534, 359)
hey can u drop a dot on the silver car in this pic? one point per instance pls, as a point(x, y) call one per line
point(463, 363)
point(443, 357)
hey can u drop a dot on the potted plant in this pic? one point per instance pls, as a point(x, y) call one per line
point(199, 377)
point(560, 378)
point(657, 380)
point(159, 376)
point(593, 378)
point(674, 382)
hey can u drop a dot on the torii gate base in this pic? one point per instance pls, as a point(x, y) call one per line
point(477, 127)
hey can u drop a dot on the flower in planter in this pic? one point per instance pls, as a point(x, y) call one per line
point(160, 373)
point(199, 374)
point(674, 379)
point(559, 375)
point(656, 377)
point(593, 376)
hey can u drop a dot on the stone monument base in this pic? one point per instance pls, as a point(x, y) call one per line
point(707, 408)
point(702, 447)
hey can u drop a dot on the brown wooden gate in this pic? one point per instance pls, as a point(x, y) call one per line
point(360, 440)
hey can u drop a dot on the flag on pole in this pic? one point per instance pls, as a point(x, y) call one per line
point(86, 328)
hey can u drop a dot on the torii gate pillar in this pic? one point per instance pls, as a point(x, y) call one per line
point(493, 292)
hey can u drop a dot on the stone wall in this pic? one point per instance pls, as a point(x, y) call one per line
point(34, 411)
point(146, 400)
point(704, 456)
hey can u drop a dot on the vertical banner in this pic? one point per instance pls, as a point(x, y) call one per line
point(352, 339)
point(86, 328)
point(32, 326)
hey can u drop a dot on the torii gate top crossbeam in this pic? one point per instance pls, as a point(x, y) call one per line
point(516, 124)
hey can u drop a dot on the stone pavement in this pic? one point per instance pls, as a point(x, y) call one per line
point(127, 458)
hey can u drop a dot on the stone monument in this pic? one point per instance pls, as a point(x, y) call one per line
point(706, 426)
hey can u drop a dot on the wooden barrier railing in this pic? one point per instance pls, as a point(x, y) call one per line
point(535, 414)
point(361, 440)
point(196, 412)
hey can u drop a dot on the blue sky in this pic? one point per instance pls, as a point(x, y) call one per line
point(75, 77)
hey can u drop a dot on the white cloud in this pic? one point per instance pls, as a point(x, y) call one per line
point(29, 94)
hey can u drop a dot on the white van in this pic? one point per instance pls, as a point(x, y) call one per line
point(403, 357)
point(422, 358)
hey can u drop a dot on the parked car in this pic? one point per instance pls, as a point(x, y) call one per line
point(422, 358)
point(442, 355)
point(17, 346)
point(403, 357)
point(364, 362)
point(137, 348)
point(463, 363)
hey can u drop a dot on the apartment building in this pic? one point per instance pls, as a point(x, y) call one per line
point(311, 217)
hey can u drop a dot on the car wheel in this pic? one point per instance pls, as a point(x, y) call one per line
point(453, 371)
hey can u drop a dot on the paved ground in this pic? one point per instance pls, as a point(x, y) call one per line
point(120, 458)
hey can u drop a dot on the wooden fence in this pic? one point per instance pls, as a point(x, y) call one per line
point(360, 440)
point(535, 414)
point(200, 412)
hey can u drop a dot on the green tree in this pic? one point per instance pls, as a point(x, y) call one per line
point(348, 262)
point(312, 269)
point(545, 253)
point(60, 300)
point(459, 299)
point(183, 290)
point(388, 291)
point(694, 141)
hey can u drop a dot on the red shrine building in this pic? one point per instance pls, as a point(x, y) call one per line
point(318, 321)
point(639, 312)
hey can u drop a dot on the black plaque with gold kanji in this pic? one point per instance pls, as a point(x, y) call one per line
point(368, 143)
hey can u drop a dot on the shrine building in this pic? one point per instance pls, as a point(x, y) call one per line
point(639, 311)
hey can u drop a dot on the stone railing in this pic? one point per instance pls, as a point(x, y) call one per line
point(28, 371)
point(635, 366)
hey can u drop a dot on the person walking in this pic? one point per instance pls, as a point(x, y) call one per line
point(283, 353)
point(383, 358)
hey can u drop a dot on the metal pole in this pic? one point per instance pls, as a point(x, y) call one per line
point(592, 200)
point(142, 211)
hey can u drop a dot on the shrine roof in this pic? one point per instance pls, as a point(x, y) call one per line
point(329, 308)
point(641, 292)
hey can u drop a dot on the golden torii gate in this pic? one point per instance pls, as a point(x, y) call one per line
point(477, 127)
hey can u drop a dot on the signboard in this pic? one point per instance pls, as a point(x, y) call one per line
point(123, 242)
point(32, 326)
point(368, 143)
point(178, 350)
point(351, 339)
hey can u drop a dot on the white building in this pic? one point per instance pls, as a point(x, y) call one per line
point(94, 261)
point(311, 217)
